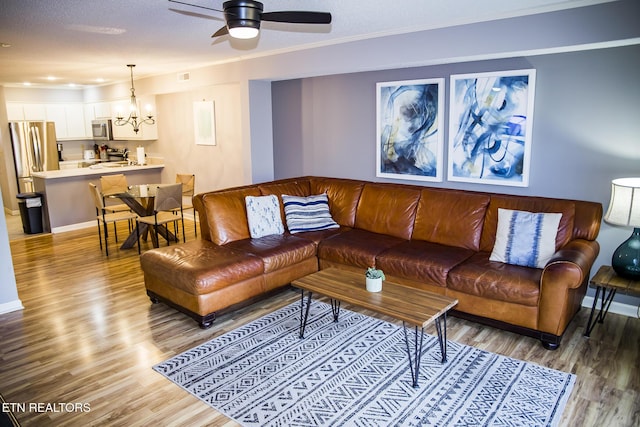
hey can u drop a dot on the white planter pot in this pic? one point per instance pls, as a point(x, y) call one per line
point(374, 285)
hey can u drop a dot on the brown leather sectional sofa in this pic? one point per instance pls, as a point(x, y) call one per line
point(435, 239)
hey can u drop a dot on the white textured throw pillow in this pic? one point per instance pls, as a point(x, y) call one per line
point(263, 215)
point(525, 238)
point(308, 213)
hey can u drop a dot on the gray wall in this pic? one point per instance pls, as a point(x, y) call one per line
point(585, 126)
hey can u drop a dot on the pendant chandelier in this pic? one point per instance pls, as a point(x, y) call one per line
point(134, 118)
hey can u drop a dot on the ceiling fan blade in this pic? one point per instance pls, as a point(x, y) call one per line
point(196, 5)
point(221, 32)
point(298, 17)
point(195, 14)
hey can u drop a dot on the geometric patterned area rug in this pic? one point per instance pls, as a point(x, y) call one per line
point(356, 373)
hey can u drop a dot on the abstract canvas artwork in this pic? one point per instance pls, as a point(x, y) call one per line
point(490, 127)
point(410, 129)
point(204, 123)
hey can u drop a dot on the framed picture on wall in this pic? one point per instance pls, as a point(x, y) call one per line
point(490, 122)
point(204, 123)
point(409, 124)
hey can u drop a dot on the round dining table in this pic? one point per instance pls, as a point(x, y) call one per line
point(140, 198)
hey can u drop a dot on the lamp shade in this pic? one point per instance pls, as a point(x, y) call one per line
point(624, 207)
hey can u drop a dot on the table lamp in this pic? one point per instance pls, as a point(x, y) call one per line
point(624, 209)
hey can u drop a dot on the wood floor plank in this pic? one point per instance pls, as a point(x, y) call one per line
point(90, 335)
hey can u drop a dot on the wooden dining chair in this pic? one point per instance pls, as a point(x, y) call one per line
point(111, 185)
point(188, 185)
point(167, 207)
point(104, 217)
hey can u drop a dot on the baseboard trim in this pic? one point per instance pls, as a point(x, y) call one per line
point(616, 307)
point(81, 225)
point(73, 227)
point(8, 307)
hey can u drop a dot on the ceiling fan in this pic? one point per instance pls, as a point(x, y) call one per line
point(243, 17)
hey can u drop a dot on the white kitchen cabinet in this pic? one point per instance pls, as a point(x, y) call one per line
point(68, 117)
point(101, 110)
point(34, 111)
point(24, 111)
point(89, 114)
point(55, 113)
point(14, 111)
point(76, 121)
point(69, 120)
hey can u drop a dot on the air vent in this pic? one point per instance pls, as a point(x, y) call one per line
point(183, 77)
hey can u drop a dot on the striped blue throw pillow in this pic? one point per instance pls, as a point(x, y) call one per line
point(525, 238)
point(307, 213)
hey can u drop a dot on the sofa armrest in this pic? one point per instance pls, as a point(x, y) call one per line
point(564, 283)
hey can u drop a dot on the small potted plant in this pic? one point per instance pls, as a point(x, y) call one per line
point(374, 278)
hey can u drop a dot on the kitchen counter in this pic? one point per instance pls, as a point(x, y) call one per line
point(67, 202)
point(94, 170)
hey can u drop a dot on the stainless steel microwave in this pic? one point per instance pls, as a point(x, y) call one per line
point(102, 129)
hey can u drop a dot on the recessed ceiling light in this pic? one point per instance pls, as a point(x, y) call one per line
point(100, 80)
point(51, 78)
point(72, 85)
point(27, 83)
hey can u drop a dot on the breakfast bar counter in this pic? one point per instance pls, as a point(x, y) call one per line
point(67, 202)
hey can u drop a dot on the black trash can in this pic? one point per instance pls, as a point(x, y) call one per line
point(30, 205)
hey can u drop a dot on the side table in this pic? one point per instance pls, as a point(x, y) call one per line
point(607, 283)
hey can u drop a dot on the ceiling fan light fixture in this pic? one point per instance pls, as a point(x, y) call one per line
point(243, 18)
point(243, 32)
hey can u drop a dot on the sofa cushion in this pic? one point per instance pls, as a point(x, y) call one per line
point(263, 215)
point(343, 197)
point(199, 267)
point(226, 214)
point(493, 280)
point(525, 238)
point(530, 204)
point(276, 251)
point(317, 236)
point(422, 261)
point(387, 209)
point(451, 217)
point(296, 187)
point(356, 247)
point(307, 213)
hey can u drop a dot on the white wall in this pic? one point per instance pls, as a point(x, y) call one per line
point(9, 300)
point(216, 166)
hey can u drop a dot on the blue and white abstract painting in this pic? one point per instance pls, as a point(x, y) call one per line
point(490, 126)
point(409, 129)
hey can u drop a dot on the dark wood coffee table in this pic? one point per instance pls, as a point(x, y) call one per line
point(413, 306)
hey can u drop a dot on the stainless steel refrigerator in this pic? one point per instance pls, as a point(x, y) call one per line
point(34, 150)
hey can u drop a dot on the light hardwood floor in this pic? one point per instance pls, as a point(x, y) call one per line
point(89, 335)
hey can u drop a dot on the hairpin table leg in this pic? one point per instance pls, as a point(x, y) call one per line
point(304, 314)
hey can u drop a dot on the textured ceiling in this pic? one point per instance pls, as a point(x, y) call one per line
point(78, 41)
